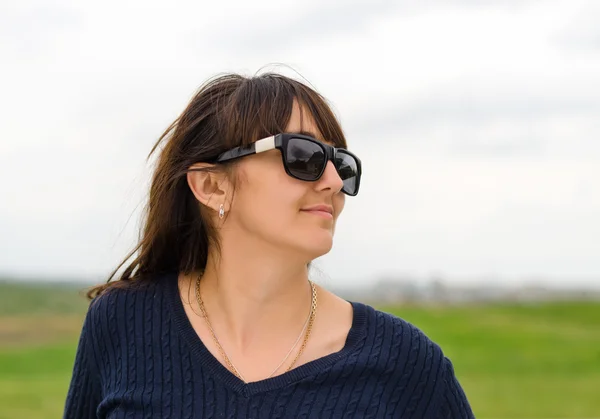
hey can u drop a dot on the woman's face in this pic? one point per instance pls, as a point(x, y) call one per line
point(272, 205)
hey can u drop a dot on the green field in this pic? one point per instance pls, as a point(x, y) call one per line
point(514, 361)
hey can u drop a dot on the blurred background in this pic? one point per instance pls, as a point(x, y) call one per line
point(478, 123)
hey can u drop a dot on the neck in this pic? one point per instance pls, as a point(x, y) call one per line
point(255, 296)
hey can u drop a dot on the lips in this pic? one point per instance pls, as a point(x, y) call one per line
point(321, 208)
point(324, 211)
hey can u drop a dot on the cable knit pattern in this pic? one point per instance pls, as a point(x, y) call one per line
point(139, 357)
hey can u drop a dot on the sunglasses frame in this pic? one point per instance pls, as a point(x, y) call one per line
point(280, 141)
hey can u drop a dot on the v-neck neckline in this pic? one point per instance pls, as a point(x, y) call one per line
point(208, 360)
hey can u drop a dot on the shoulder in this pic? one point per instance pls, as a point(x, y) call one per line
point(133, 292)
point(401, 338)
point(405, 352)
point(121, 318)
point(419, 377)
point(117, 298)
point(125, 304)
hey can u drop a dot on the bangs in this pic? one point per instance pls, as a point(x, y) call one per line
point(262, 106)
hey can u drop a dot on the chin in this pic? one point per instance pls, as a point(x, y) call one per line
point(317, 245)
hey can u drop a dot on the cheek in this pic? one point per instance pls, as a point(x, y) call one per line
point(268, 198)
point(339, 201)
point(265, 213)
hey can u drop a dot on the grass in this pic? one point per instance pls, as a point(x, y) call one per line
point(34, 380)
point(514, 361)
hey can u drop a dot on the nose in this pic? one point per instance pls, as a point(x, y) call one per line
point(330, 178)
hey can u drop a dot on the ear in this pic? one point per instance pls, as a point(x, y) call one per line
point(210, 187)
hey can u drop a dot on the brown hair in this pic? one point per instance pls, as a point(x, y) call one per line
point(228, 111)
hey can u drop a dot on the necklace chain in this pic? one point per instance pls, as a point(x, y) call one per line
point(309, 321)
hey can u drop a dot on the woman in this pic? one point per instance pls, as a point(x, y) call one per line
point(216, 315)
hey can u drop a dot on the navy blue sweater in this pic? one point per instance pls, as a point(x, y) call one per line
point(139, 357)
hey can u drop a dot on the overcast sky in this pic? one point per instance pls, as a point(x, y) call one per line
point(478, 123)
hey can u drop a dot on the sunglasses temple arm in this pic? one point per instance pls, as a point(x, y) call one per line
point(235, 153)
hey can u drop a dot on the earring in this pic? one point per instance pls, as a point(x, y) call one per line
point(221, 211)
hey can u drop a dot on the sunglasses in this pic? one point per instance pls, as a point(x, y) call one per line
point(304, 158)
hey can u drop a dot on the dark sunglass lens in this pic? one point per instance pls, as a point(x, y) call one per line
point(347, 168)
point(305, 159)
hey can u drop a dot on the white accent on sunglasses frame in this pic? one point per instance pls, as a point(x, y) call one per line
point(264, 144)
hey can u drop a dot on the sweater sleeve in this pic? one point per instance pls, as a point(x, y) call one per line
point(454, 401)
point(84, 392)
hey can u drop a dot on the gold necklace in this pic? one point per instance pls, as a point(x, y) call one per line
point(230, 365)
